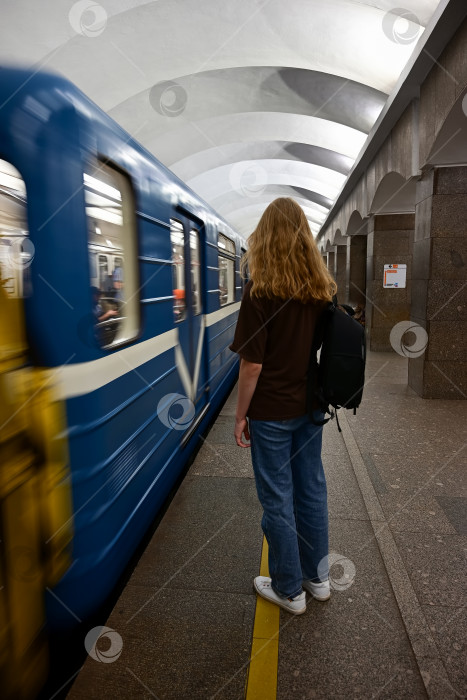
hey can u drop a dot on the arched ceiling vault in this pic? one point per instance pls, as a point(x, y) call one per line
point(230, 203)
point(210, 158)
point(246, 100)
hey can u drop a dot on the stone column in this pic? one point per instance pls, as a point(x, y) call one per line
point(331, 262)
point(439, 283)
point(339, 271)
point(355, 282)
point(390, 238)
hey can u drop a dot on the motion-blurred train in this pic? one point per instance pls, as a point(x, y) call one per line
point(119, 294)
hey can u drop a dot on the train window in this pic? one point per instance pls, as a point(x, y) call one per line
point(177, 239)
point(103, 272)
point(16, 249)
point(226, 270)
point(195, 271)
point(110, 210)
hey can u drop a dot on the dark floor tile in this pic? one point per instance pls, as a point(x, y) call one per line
point(436, 566)
point(448, 626)
point(455, 509)
point(223, 497)
point(439, 471)
point(202, 556)
point(412, 510)
point(190, 645)
point(343, 660)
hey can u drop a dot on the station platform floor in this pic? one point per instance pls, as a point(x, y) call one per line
point(395, 626)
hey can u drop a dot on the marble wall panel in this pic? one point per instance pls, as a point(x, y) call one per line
point(448, 341)
point(449, 215)
point(446, 299)
point(389, 242)
point(449, 258)
point(439, 298)
point(394, 222)
point(450, 180)
point(444, 380)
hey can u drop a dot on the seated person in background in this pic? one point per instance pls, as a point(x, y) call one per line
point(97, 310)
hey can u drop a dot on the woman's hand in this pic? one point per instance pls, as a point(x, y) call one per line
point(247, 380)
point(241, 428)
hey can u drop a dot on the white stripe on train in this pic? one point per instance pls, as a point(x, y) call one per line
point(83, 377)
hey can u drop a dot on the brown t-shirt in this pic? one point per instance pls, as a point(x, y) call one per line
point(278, 334)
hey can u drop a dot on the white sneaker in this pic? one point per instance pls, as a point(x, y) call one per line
point(296, 606)
point(320, 591)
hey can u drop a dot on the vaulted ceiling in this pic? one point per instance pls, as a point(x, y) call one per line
point(245, 100)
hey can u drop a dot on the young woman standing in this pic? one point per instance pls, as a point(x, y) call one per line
point(288, 289)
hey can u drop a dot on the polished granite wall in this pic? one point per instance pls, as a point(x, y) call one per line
point(439, 283)
point(355, 284)
point(330, 261)
point(389, 241)
point(339, 270)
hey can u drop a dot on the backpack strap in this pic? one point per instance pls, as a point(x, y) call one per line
point(337, 421)
point(313, 369)
point(322, 422)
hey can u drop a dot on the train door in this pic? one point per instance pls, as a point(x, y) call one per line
point(35, 497)
point(187, 252)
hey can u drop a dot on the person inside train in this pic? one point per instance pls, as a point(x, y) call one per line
point(117, 280)
point(179, 305)
point(99, 314)
point(289, 287)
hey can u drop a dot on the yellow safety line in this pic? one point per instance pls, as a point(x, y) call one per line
point(261, 683)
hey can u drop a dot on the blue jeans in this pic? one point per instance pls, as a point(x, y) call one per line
point(291, 488)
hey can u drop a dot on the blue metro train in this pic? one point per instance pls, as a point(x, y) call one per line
point(126, 288)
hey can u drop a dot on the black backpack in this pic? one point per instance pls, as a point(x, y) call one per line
point(338, 377)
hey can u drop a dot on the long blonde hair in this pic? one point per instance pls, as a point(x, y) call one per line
point(283, 259)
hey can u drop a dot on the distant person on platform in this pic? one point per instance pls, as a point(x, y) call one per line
point(360, 314)
point(288, 289)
